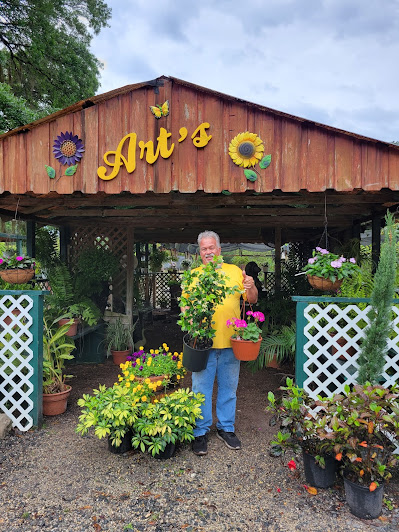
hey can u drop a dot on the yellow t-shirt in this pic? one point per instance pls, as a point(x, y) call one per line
point(229, 308)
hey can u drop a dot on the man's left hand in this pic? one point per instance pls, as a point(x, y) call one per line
point(250, 288)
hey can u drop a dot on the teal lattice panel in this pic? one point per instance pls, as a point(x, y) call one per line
point(16, 357)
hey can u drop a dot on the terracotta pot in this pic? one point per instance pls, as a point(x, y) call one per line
point(73, 329)
point(153, 378)
point(323, 284)
point(55, 403)
point(273, 363)
point(245, 349)
point(17, 276)
point(120, 357)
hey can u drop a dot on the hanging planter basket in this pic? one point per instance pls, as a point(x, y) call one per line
point(323, 284)
point(245, 350)
point(17, 276)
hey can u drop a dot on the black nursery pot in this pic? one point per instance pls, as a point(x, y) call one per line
point(168, 452)
point(194, 359)
point(315, 475)
point(124, 447)
point(362, 502)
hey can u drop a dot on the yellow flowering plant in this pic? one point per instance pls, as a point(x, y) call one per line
point(156, 362)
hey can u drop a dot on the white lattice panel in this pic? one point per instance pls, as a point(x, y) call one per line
point(334, 335)
point(15, 360)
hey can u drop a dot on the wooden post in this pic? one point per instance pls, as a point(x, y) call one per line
point(277, 259)
point(31, 239)
point(129, 273)
point(375, 241)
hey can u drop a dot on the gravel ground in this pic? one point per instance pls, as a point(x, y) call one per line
point(55, 480)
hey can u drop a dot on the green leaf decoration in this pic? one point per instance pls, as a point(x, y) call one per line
point(250, 175)
point(71, 169)
point(264, 163)
point(226, 192)
point(50, 171)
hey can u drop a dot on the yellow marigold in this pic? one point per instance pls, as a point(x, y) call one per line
point(156, 401)
point(126, 373)
point(166, 348)
point(134, 390)
point(138, 362)
point(178, 377)
point(179, 364)
point(147, 380)
point(127, 384)
point(141, 348)
point(151, 351)
point(144, 398)
point(120, 378)
point(164, 345)
point(132, 377)
point(139, 387)
point(157, 351)
point(116, 383)
point(159, 383)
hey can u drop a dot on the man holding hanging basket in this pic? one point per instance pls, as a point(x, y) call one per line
point(222, 363)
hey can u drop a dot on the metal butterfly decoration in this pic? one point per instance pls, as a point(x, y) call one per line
point(160, 110)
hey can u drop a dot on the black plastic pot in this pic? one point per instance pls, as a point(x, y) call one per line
point(315, 475)
point(194, 359)
point(125, 446)
point(168, 452)
point(362, 502)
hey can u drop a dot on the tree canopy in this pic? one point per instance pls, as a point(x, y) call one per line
point(45, 57)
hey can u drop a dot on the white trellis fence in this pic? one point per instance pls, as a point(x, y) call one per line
point(21, 356)
point(328, 339)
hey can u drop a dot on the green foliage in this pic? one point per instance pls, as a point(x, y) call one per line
point(299, 425)
point(57, 348)
point(45, 51)
point(14, 110)
point(374, 346)
point(95, 266)
point(47, 246)
point(203, 290)
point(279, 343)
point(363, 424)
point(118, 336)
point(157, 258)
point(170, 420)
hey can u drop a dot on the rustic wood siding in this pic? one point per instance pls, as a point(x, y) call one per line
point(305, 156)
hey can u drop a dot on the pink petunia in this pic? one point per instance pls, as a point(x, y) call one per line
point(324, 252)
point(228, 323)
point(250, 313)
point(19, 258)
point(311, 261)
point(336, 264)
point(352, 260)
point(1, 261)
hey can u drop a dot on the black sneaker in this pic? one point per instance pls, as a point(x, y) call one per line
point(200, 445)
point(230, 439)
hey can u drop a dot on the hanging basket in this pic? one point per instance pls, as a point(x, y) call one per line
point(323, 284)
point(17, 276)
point(245, 350)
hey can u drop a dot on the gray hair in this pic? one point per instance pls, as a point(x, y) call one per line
point(209, 234)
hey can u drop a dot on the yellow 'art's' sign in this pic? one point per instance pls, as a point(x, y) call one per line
point(200, 139)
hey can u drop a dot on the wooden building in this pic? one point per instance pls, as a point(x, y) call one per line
point(138, 177)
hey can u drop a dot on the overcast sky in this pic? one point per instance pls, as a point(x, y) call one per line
point(331, 61)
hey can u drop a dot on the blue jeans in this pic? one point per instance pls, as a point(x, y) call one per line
point(223, 365)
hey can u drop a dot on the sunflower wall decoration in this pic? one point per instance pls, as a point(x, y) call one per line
point(246, 149)
point(68, 149)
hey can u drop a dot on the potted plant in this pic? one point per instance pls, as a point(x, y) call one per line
point(157, 258)
point(302, 420)
point(246, 337)
point(119, 340)
point(326, 270)
point(277, 345)
point(363, 425)
point(16, 269)
point(111, 412)
point(202, 290)
point(158, 365)
point(164, 423)
point(57, 348)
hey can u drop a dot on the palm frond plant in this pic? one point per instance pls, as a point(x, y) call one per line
point(278, 344)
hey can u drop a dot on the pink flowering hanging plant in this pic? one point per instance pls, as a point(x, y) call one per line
point(14, 261)
point(330, 266)
point(247, 329)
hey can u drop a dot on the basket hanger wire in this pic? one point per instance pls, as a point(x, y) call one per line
point(324, 236)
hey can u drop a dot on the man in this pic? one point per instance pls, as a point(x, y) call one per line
point(222, 363)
